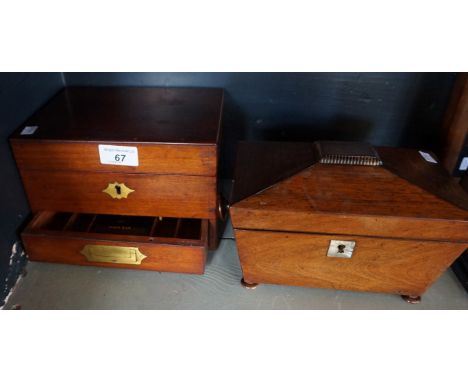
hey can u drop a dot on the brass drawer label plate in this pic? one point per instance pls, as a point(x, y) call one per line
point(113, 254)
point(341, 248)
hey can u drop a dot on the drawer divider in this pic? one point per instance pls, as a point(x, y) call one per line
point(90, 225)
point(177, 228)
point(70, 221)
point(155, 224)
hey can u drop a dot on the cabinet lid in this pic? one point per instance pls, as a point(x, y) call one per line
point(154, 115)
point(353, 188)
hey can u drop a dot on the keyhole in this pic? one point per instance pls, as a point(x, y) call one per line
point(117, 188)
point(341, 248)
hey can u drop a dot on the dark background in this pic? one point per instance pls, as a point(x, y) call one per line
point(393, 109)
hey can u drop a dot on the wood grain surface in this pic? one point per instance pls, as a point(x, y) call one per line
point(84, 156)
point(170, 245)
point(154, 195)
point(129, 115)
point(176, 132)
point(358, 200)
point(408, 217)
point(406, 267)
point(391, 227)
point(160, 257)
point(431, 177)
point(261, 164)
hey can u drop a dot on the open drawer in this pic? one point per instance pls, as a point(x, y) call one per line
point(137, 242)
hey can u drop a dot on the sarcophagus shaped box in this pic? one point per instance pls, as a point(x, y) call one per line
point(346, 216)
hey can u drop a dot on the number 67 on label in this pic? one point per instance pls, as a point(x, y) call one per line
point(118, 155)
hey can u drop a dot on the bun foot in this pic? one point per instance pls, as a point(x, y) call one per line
point(411, 299)
point(247, 285)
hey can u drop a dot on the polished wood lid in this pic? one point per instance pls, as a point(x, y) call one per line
point(153, 115)
point(403, 186)
point(262, 164)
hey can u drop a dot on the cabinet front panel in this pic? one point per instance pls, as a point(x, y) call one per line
point(152, 158)
point(405, 267)
point(120, 193)
point(117, 254)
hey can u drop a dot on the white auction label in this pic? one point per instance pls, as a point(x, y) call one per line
point(427, 157)
point(464, 164)
point(118, 155)
point(29, 130)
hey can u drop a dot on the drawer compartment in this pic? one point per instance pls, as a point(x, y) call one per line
point(126, 194)
point(143, 242)
point(397, 266)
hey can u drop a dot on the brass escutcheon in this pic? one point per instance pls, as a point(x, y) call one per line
point(117, 190)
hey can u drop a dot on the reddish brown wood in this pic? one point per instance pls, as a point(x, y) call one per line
point(261, 164)
point(61, 243)
point(247, 285)
point(391, 227)
point(160, 257)
point(407, 216)
point(410, 165)
point(129, 115)
point(367, 201)
point(154, 195)
point(411, 299)
point(406, 267)
point(84, 156)
point(455, 127)
point(177, 133)
point(45, 223)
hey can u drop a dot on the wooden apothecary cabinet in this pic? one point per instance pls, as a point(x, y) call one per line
point(346, 216)
point(123, 177)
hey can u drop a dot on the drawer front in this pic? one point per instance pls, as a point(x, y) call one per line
point(117, 254)
point(152, 158)
point(140, 194)
point(378, 265)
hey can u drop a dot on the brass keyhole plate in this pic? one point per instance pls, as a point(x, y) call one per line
point(341, 248)
point(117, 190)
